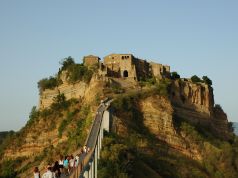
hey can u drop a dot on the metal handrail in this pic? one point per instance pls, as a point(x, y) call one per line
point(86, 159)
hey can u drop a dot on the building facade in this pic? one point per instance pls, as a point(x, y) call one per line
point(127, 66)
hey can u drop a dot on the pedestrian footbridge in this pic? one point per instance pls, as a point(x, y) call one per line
point(88, 162)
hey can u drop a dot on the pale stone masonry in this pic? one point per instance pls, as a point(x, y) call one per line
point(126, 65)
point(114, 66)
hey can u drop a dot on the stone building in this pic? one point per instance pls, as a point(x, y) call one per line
point(119, 65)
point(91, 60)
point(127, 66)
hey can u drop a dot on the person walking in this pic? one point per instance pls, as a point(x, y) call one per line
point(56, 169)
point(49, 173)
point(36, 172)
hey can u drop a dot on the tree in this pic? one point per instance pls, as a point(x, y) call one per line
point(195, 79)
point(207, 80)
point(59, 102)
point(175, 75)
point(66, 62)
point(218, 107)
point(34, 113)
point(48, 83)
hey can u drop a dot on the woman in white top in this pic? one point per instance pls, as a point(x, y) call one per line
point(61, 162)
point(36, 172)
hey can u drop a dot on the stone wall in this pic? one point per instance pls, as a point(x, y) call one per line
point(91, 60)
point(120, 65)
point(126, 65)
point(76, 90)
point(159, 70)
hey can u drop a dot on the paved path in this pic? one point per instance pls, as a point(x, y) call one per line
point(92, 138)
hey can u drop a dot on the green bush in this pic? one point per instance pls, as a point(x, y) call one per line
point(48, 83)
point(191, 132)
point(207, 80)
point(114, 159)
point(59, 102)
point(162, 87)
point(175, 75)
point(195, 79)
point(66, 63)
point(76, 72)
point(65, 123)
point(34, 114)
point(8, 167)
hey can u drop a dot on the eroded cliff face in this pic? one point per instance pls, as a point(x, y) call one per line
point(75, 90)
point(195, 103)
point(44, 132)
point(163, 116)
point(33, 144)
point(193, 96)
point(158, 118)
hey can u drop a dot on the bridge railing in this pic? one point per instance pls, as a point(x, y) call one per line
point(87, 167)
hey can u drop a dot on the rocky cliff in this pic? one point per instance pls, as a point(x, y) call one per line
point(193, 96)
point(165, 132)
point(44, 131)
point(174, 117)
point(158, 117)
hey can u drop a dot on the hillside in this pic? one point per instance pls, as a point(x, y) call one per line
point(3, 135)
point(162, 125)
point(150, 141)
point(235, 125)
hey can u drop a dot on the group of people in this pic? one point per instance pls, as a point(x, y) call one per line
point(65, 165)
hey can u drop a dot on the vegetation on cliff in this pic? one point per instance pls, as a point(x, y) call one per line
point(69, 120)
point(133, 148)
point(205, 79)
point(133, 151)
point(5, 134)
point(74, 73)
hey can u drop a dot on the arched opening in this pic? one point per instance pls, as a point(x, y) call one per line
point(125, 73)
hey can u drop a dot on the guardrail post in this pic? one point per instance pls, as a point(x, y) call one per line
point(102, 131)
point(98, 147)
point(96, 161)
point(90, 171)
point(92, 167)
point(89, 166)
point(86, 174)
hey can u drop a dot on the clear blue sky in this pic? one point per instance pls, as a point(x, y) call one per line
point(192, 36)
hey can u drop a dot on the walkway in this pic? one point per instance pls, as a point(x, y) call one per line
point(93, 135)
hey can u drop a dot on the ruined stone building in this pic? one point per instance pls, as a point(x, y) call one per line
point(127, 66)
point(91, 60)
point(114, 65)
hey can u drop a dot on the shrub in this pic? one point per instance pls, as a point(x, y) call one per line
point(59, 102)
point(162, 87)
point(207, 80)
point(66, 63)
point(218, 107)
point(114, 159)
point(65, 123)
point(76, 72)
point(195, 79)
point(8, 167)
point(34, 114)
point(175, 75)
point(48, 83)
point(191, 132)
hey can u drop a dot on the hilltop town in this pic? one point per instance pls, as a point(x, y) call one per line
point(119, 66)
point(154, 113)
